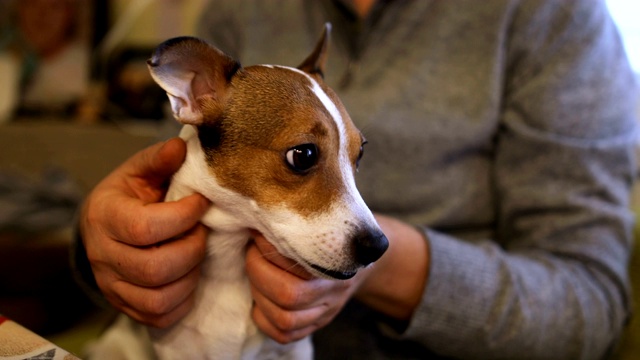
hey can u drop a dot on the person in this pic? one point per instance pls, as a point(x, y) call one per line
point(499, 164)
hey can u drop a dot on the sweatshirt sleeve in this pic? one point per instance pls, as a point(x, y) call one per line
point(553, 283)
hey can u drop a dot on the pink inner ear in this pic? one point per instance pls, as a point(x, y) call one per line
point(183, 112)
point(177, 82)
point(189, 69)
point(201, 85)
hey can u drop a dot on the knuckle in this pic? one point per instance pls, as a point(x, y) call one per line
point(282, 339)
point(106, 286)
point(152, 272)
point(114, 299)
point(285, 338)
point(94, 257)
point(291, 297)
point(159, 322)
point(139, 231)
point(286, 322)
point(165, 320)
point(147, 320)
point(156, 304)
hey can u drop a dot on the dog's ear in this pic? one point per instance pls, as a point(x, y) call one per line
point(314, 63)
point(192, 72)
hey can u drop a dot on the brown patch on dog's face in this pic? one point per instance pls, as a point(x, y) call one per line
point(270, 112)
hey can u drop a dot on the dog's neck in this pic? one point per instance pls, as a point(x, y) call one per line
point(228, 232)
point(225, 255)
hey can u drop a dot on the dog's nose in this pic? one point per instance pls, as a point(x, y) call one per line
point(369, 245)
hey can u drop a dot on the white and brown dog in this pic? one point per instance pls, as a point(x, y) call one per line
point(275, 151)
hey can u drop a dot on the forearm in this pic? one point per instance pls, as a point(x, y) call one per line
point(484, 302)
point(394, 284)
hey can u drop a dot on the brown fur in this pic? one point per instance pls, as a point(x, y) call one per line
point(253, 163)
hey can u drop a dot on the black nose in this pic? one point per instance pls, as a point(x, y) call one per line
point(369, 245)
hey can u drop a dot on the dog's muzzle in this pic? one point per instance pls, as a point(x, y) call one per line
point(368, 245)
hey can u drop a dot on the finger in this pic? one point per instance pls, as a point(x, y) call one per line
point(159, 305)
point(282, 287)
point(285, 320)
point(157, 162)
point(271, 279)
point(270, 253)
point(146, 174)
point(141, 224)
point(164, 320)
point(161, 264)
point(283, 337)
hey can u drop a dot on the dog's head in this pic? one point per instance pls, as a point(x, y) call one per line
point(281, 139)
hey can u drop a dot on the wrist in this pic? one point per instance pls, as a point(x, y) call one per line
point(394, 284)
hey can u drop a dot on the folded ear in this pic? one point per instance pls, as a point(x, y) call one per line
point(191, 71)
point(314, 63)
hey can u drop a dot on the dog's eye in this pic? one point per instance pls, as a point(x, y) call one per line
point(302, 157)
point(360, 154)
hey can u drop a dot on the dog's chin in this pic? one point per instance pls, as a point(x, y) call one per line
point(339, 275)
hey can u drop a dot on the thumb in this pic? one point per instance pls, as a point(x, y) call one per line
point(159, 162)
point(269, 252)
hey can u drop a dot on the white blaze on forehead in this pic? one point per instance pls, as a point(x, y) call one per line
point(330, 106)
point(353, 200)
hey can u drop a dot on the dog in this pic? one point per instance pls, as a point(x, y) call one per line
point(275, 151)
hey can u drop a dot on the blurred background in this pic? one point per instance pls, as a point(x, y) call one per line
point(84, 60)
point(76, 100)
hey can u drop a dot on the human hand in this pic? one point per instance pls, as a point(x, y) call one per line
point(289, 302)
point(145, 253)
